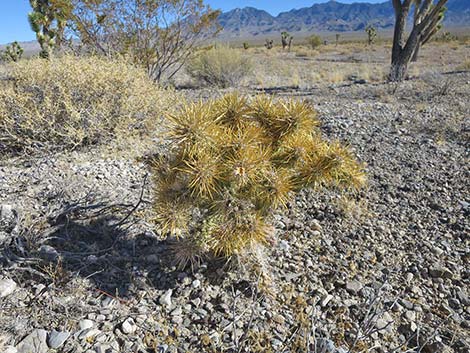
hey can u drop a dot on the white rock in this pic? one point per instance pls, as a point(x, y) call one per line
point(284, 245)
point(165, 299)
point(85, 324)
point(128, 326)
point(7, 287)
point(326, 300)
point(57, 339)
point(35, 342)
point(196, 283)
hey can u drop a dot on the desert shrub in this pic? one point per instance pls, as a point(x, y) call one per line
point(68, 102)
point(220, 66)
point(234, 162)
point(314, 41)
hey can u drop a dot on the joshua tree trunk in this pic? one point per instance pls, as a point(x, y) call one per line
point(416, 53)
point(427, 16)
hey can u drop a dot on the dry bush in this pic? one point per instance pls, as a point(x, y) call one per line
point(234, 162)
point(314, 41)
point(68, 102)
point(219, 66)
point(465, 65)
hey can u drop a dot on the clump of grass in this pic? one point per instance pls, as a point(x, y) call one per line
point(219, 66)
point(68, 102)
point(234, 161)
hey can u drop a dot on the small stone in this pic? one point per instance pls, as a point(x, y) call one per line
point(35, 342)
point(279, 319)
point(129, 326)
point(284, 245)
point(196, 283)
point(7, 287)
point(440, 272)
point(57, 338)
point(177, 311)
point(326, 300)
point(177, 320)
point(196, 302)
point(165, 299)
point(410, 315)
point(384, 322)
point(85, 324)
point(407, 304)
point(354, 287)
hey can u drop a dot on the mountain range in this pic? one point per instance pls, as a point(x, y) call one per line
point(331, 16)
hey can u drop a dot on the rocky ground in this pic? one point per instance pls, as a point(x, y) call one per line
point(385, 270)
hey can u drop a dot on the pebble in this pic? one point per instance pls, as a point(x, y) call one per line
point(284, 245)
point(354, 287)
point(165, 299)
point(85, 324)
point(326, 300)
point(196, 283)
point(7, 287)
point(129, 326)
point(384, 322)
point(440, 272)
point(57, 338)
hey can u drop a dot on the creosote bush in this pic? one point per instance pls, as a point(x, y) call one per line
point(234, 161)
point(314, 41)
point(68, 102)
point(220, 66)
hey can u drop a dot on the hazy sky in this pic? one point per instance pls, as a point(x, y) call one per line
point(14, 24)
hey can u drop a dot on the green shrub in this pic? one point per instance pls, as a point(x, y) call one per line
point(314, 41)
point(234, 162)
point(68, 102)
point(220, 66)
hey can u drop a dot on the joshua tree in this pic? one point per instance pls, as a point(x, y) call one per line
point(286, 40)
point(337, 38)
point(48, 20)
point(12, 52)
point(371, 34)
point(245, 45)
point(428, 15)
point(269, 44)
point(432, 30)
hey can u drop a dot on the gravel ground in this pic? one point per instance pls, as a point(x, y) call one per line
point(385, 270)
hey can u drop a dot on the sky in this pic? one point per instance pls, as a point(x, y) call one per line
point(14, 24)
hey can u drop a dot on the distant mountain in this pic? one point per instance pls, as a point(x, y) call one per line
point(329, 16)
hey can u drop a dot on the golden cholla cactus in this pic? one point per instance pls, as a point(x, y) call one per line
point(236, 160)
